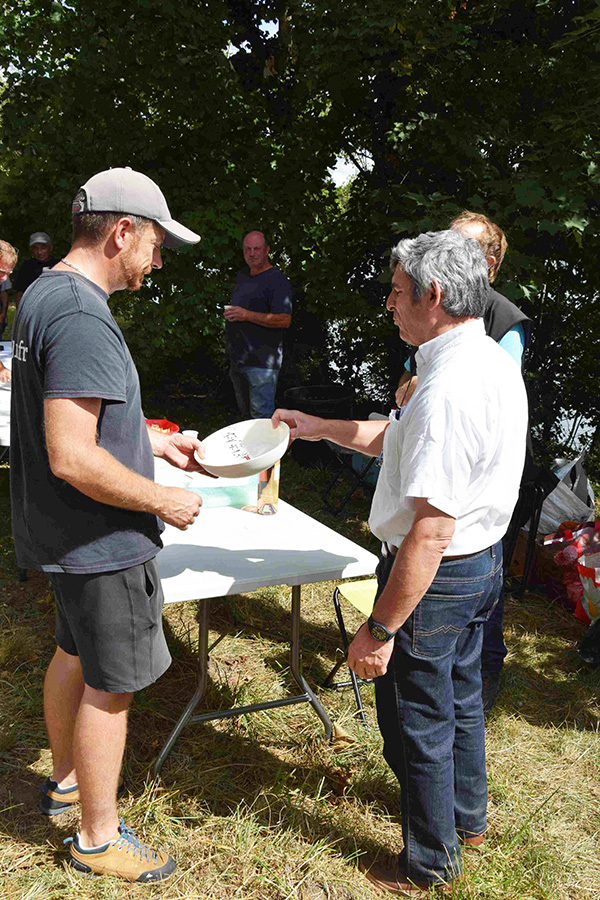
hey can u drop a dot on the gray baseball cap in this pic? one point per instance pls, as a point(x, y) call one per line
point(126, 191)
point(39, 237)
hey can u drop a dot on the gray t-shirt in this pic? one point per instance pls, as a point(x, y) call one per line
point(248, 344)
point(66, 343)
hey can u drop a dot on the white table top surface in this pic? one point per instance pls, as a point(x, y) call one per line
point(6, 357)
point(229, 551)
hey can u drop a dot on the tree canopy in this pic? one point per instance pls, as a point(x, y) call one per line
point(238, 109)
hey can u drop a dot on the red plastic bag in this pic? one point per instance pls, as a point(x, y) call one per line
point(573, 544)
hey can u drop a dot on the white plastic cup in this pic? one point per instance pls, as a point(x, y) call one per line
point(190, 433)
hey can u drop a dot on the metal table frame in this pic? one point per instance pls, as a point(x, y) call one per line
point(187, 717)
point(252, 555)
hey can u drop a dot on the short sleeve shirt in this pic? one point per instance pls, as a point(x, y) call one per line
point(249, 344)
point(66, 344)
point(460, 443)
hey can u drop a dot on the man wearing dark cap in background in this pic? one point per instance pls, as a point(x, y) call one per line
point(86, 509)
point(40, 245)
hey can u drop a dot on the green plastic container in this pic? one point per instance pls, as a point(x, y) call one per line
point(239, 492)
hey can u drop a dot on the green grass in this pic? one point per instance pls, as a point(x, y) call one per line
point(261, 806)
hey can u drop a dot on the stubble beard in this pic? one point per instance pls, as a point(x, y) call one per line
point(132, 276)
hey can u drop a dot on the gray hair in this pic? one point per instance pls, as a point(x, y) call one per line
point(457, 263)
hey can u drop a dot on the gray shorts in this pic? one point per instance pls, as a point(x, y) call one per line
point(113, 622)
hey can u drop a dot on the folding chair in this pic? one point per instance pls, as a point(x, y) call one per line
point(357, 467)
point(536, 485)
point(361, 595)
point(357, 478)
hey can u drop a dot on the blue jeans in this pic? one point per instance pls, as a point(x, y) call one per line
point(254, 390)
point(430, 713)
point(494, 649)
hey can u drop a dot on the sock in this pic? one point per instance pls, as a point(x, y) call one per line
point(91, 849)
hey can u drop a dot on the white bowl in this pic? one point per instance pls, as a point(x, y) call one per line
point(244, 448)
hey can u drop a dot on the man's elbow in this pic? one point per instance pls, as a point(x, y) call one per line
point(441, 543)
point(65, 464)
point(436, 532)
point(60, 466)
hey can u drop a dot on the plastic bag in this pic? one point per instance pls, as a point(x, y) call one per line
point(588, 567)
point(572, 498)
point(583, 597)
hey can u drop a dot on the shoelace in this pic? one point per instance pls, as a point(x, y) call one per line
point(128, 840)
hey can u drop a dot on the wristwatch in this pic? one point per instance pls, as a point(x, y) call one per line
point(379, 632)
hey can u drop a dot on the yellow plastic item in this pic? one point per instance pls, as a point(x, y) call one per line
point(360, 594)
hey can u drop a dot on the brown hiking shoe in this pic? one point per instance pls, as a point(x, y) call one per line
point(124, 856)
point(56, 800)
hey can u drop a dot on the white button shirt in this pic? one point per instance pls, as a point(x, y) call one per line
point(460, 443)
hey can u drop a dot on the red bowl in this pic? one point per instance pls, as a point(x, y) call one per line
point(163, 425)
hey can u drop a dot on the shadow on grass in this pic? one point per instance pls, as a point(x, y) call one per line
point(544, 680)
point(266, 766)
point(26, 647)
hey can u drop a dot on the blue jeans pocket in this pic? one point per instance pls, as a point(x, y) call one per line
point(438, 621)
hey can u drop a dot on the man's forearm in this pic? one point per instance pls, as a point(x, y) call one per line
point(364, 437)
point(75, 457)
point(269, 320)
point(97, 474)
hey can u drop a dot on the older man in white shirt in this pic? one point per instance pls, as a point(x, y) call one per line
point(450, 478)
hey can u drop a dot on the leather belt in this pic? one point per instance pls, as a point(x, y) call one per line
point(461, 555)
point(390, 550)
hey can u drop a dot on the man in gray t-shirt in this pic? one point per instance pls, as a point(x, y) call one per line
point(86, 509)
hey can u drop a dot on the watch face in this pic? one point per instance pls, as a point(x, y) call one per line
point(379, 632)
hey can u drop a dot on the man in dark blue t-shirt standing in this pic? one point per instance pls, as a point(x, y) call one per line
point(260, 310)
point(86, 509)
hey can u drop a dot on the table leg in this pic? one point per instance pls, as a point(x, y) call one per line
point(187, 716)
point(295, 663)
point(203, 618)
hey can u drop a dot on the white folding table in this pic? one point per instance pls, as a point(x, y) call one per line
point(230, 551)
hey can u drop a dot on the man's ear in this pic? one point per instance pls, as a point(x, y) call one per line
point(122, 230)
point(435, 295)
point(491, 261)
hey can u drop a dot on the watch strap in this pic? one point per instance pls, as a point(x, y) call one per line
point(380, 632)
